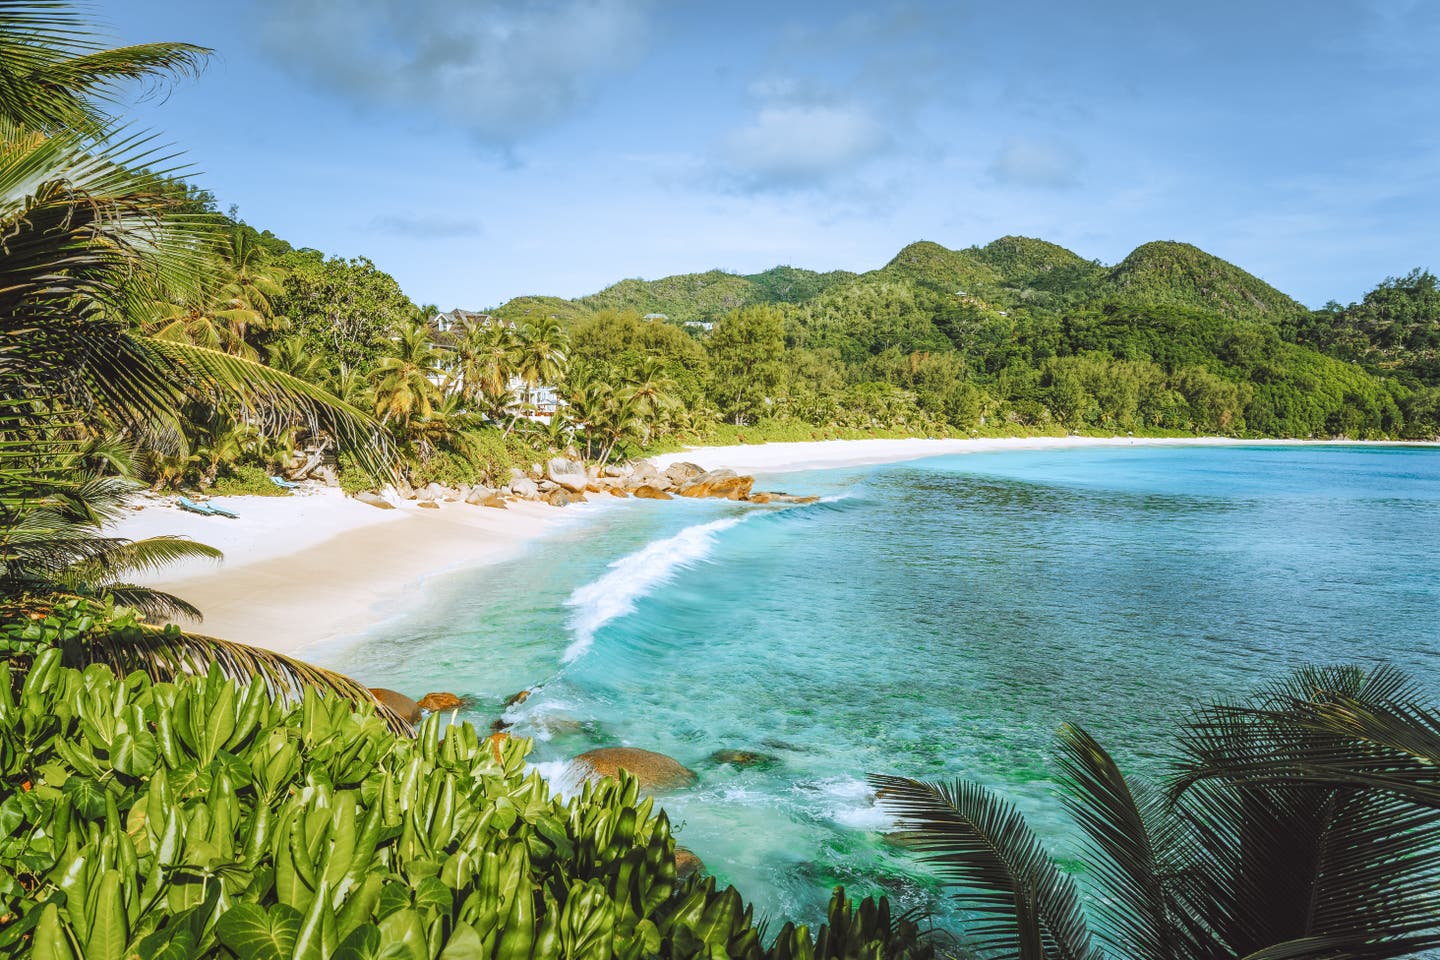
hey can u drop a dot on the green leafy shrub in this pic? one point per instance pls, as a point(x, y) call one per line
point(246, 480)
point(206, 819)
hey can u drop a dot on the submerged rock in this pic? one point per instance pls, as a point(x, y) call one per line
point(398, 702)
point(653, 771)
point(744, 758)
point(520, 697)
point(775, 496)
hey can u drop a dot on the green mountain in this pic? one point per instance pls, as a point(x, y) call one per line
point(1007, 272)
point(1181, 274)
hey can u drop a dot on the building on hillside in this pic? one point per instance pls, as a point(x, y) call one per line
point(656, 316)
point(703, 325)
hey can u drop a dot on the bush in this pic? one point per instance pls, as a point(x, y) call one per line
point(242, 480)
point(203, 818)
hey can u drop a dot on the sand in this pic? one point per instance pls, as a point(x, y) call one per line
point(311, 570)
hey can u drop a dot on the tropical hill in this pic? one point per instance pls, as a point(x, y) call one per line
point(1008, 270)
point(1023, 334)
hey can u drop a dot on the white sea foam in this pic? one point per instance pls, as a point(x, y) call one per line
point(565, 778)
point(633, 576)
point(851, 803)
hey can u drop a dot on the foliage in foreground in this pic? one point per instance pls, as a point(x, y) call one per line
point(1303, 822)
point(205, 819)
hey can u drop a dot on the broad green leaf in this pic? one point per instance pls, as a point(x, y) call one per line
point(108, 926)
point(50, 940)
point(257, 934)
point(135, 754)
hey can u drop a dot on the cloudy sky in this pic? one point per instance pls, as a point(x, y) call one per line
point(482, 149)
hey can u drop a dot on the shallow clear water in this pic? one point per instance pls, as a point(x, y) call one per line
point(937, 619)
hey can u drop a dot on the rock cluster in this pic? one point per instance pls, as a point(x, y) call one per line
point(562, 481)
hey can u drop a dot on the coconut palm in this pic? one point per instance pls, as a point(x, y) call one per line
point(485, 362)
point(94, 235)
point(539, 357)
point(55, 75)
point(1301, 823)
point(653, 390)
point(409, 378)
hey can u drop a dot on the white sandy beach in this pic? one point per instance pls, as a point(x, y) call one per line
point(318, 567)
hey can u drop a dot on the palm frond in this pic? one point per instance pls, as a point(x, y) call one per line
point(164, 654)
point(1023, 904)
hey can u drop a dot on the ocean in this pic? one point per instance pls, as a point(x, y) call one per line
point(936, 619)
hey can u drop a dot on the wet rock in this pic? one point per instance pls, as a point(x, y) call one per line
point(775, 496)
point(374, 499)
point(687, 864)
point(651, 493)
point(726, 484)
point(398, 702)
point(559, 498)
point(618, 492)
point(653, 771)
point(744, 758)
point(520, 697)
point(435, 702)
point(682, 472)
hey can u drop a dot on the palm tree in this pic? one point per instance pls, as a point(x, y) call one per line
point(485, 362)
point(1303, 822)
point(409, 378)
point(652, 388)
point(540, 357)
point(56, 76)
point(93, 236)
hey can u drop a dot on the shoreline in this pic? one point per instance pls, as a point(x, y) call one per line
point(305, 572)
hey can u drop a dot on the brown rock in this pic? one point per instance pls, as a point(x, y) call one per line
point(760, 497)
point(687, 863)
point(365, 496)
point(559, 498)
point(648, 492)
point(398, 702)
point(618, 492)
point(774, 496)
point(440, 701)
point(520, 697)
point(428, 505)
point(494, 500)
point(654, 771)
point(725, 484)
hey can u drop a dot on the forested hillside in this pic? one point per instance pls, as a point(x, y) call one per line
point(1022, 334)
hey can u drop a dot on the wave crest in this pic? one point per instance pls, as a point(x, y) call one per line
point(635, 575)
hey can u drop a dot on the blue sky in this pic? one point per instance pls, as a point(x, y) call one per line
point(483, 149)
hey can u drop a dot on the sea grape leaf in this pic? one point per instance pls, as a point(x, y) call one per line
point(135, 754)
point(362, 944)
point(258, 934)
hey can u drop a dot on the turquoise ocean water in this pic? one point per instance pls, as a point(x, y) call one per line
point(936, 619)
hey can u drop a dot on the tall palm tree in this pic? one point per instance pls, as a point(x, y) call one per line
point(409, 378)
point(94, 235)
point(652, 388)
point(540, 356)
point(1303, 822)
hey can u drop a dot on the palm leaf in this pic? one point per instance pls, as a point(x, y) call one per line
point(1023, 904)
point(164, 654)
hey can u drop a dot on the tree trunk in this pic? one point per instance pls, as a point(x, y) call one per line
point(315, 460)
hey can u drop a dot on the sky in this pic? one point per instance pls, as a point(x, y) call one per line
point(484, 149)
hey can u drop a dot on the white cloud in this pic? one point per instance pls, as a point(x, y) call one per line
point(501, 69)
point(787, 145)
point(1024, 162)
